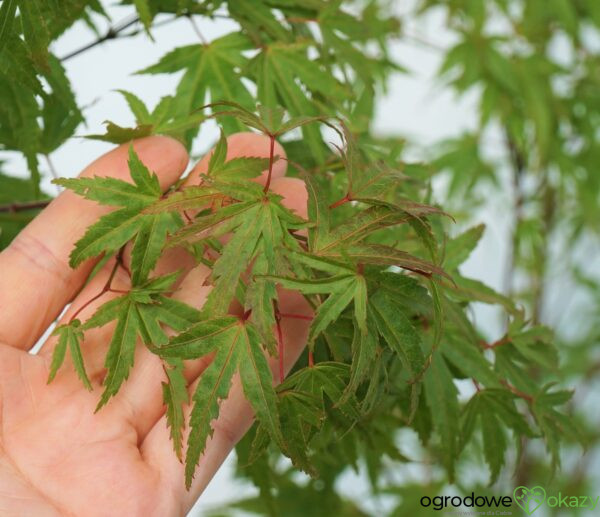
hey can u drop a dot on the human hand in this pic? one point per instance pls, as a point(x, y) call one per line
point(56, 456)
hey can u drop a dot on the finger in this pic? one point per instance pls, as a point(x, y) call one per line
point(36, 280)
point(241, 145)
point(235, 416)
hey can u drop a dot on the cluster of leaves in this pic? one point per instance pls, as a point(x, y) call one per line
point(391, 336)
point(39, 111)
point(379, 336)
point(534, 65)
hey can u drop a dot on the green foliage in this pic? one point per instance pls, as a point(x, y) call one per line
point(392, 343)
point(69, 336)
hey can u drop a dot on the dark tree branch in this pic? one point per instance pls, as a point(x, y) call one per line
point(517, 162)
point(116, 32)
point(112, 33)
point(26, 205)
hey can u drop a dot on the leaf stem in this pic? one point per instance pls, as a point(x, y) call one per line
point(280, 349)
point(197, 29)
point(340, 202)
point(271, 151)
point(517, 392)
point(107, 285)
point(502, 341)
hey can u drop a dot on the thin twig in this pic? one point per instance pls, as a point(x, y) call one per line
point(155, 25)
point(197, 30)
point(517, 161)
point(111, 33)
point(105, 289)
point(26, 205)
point(416, 38)
point(502, 341)
point(517, 392)
point(53, 172)
point(108, 285)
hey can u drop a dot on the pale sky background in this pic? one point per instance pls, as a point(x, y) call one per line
point(415, 106)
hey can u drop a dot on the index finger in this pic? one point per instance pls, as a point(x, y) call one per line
point(37, 281)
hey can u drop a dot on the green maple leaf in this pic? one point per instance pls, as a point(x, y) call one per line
point(364, 354)
point(276, 83)
point(258, 223)
point(8, 10)
point(441, 397)
point(237, 347)
point(258, 19)
point(402, 337)
point(261, 297)
point(71, 337)
point(175, 395)
point(345, 241)
point(305, 399)
point(493, 410)
point(326, 381)
point(35, 30)
point(138, 315)
point(116, 134)
point(115, 229)
point(236, 169)
point(458, 249)
point(164, 119)
point(209, 69)
point(145, 12)
point(342, 289)
point(301, 416)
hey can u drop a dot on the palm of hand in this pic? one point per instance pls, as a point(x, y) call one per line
point(58, 457)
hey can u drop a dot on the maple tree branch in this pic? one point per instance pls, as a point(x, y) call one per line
point(518, 166)
point(111, 33)
point(26, 205)
point(116, 32)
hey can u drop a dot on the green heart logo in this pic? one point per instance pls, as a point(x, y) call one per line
point(529, 499)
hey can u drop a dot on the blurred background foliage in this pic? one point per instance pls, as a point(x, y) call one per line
point(533, 67)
